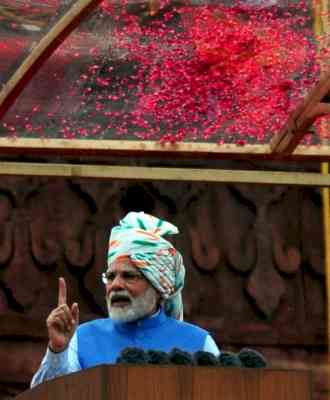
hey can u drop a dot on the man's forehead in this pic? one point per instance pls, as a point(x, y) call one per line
point(124, 264)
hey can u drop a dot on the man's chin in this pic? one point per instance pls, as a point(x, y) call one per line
point(122, 314)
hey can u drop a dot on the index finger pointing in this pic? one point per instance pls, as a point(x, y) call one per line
point(61, 291)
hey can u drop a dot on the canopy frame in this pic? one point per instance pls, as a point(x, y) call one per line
point(283, 146)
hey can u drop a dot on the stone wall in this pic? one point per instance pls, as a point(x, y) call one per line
point(254, 258)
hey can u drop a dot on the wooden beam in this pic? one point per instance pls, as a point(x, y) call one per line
point(42, 51)
point(313, 107)
point(138, 148)
point(114, 147)
point(326, 233)
point(134, 145)
point(165, 174)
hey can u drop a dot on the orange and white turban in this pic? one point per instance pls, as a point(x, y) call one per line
point(139, 236)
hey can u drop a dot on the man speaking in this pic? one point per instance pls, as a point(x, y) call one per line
point(143, 284)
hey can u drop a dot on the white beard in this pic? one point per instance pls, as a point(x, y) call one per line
point(139, 307)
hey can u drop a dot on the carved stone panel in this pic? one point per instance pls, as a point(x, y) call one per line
point(254, 257)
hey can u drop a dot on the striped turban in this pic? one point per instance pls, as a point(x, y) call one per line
point(139, 236)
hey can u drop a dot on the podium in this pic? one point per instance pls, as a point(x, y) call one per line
point(121, 382)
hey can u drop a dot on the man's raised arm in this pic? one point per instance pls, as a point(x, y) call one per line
point(62, 354)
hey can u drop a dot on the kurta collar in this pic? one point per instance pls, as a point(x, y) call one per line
point(145, 323)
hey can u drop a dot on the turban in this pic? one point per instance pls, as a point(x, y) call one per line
point(139, 236)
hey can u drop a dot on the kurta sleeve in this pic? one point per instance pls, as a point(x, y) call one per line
point(211, 346)
point(58, 364)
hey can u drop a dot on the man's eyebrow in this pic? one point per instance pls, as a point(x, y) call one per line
point(130, 270)
point(123, 270)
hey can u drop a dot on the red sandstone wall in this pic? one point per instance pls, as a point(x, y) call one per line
point(254, 259)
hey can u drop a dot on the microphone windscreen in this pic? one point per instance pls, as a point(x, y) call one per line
point(252, 359)
point(132, 355)
point(180, 357)
point(229, 359)
point(158, 357)
point(205, 358)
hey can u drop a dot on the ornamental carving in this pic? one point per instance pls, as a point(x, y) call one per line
point(253, 255)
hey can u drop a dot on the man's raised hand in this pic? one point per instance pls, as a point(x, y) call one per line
point(62, 321)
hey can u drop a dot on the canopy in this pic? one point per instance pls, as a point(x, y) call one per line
point(211, 76)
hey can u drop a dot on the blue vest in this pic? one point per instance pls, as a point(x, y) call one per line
point(100, 341)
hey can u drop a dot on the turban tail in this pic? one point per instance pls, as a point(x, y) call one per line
point(139, 237)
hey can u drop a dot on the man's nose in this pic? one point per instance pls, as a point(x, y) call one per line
point(117, 283)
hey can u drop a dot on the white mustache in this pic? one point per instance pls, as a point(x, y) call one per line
point(120, 295)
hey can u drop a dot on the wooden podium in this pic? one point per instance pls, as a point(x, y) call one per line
point(116, 382)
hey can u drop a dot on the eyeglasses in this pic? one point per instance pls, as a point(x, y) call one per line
point(126, 276)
